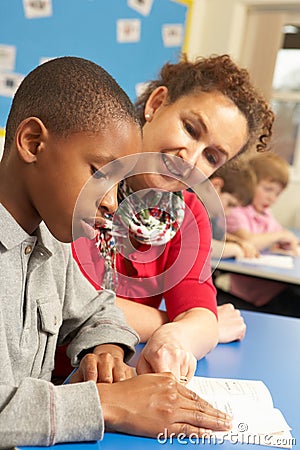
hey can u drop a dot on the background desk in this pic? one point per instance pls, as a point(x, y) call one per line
point(271, 273)
point(269, 352)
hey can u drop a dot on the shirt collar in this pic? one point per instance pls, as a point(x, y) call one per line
point(12, 234)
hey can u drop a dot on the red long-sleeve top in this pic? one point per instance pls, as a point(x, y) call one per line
point(178, 271)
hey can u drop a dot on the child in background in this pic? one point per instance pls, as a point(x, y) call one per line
point(235, 187)
point(68, 120)
point(256, 224)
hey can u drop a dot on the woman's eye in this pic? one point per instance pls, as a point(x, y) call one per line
point(191, 130)
point(97, 174)
point(211, 157)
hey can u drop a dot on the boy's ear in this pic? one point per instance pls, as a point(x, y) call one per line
point(156, 99)
point(30, 137)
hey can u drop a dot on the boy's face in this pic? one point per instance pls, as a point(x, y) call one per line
point(265, 195)
point(228, 200)
point(65, 168)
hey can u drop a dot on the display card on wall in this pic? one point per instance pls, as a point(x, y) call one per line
point(128, 30)
point(9, 83)
point(172, 35)
point(7, 57)
point(141, 6)
point(37, 8)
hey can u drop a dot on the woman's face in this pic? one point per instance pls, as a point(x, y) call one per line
point(203, 129)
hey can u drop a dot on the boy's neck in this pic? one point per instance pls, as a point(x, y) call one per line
point(14, 199)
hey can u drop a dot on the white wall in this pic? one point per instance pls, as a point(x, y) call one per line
point(219, 26)
point(287, 207)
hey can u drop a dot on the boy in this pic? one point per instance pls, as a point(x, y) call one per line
point(256, 224)
point(235, 187)
point(68, 119)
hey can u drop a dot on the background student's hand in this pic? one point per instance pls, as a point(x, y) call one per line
point(231, 324)
point(232, 250)
point(236, 250)
point(164, 352)
point(287, 243)
point(248, 249)
point(240, 248)
point(150, 404)
point(104, 365)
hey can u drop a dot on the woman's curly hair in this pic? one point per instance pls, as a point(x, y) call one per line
point(216, 73)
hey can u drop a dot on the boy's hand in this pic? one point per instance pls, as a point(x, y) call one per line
point(104, 365)
point(154, 403)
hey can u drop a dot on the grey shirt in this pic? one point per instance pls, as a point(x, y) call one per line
point(44, 301)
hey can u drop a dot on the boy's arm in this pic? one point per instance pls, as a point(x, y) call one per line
point(143, 405)
point(91, 318)
point(48, 414)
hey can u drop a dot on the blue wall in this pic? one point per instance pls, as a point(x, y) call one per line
point(87, 28)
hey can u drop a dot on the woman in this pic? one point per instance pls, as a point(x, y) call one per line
point(202, 113)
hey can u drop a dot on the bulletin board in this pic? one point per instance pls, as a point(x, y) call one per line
point(131, 39)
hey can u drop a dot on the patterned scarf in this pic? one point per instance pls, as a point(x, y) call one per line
point(153, 219)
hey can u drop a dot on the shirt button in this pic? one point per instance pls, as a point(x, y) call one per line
point(55, 320)
point(28, 249)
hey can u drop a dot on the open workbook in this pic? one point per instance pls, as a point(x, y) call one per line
point(255, 420)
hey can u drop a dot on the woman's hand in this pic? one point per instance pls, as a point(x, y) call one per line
point(164, 352)
point(155, 404)
point(231, 324)
point(104, 365)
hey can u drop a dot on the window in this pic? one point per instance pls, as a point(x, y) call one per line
point(286, 99)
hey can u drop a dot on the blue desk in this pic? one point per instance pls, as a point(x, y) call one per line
point(269, 352)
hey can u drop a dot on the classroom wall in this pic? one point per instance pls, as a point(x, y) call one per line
point(131, 39)
point(89, 28)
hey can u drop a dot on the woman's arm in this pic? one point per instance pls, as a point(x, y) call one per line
point(197, 330)
point(175, 346)
point(142, 318)
point(190, 298)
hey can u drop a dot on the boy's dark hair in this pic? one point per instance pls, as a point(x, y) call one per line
point(69, 95)
point(216, 73)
